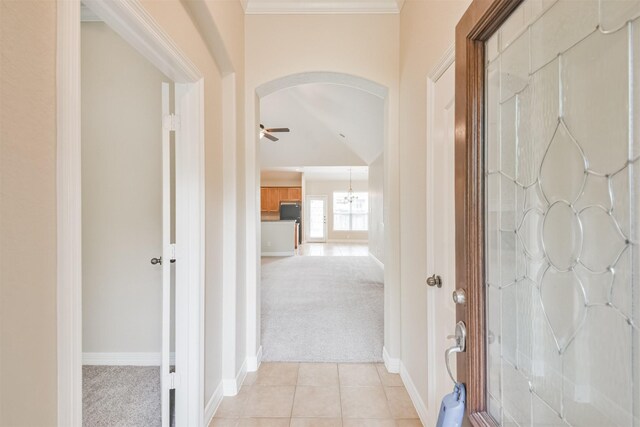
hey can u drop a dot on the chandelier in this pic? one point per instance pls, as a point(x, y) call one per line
point(350, 197)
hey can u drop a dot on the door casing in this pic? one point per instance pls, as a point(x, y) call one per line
point(131, 21)
point(480, 21)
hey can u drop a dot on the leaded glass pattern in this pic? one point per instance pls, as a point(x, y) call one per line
point(562, 211)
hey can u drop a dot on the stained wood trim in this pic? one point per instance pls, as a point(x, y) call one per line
point(480, 21)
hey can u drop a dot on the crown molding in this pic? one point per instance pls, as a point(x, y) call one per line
point(293, 7)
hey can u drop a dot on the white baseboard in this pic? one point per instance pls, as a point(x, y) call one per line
point(125, 359)
point(231, 387)
point(213, 404)
point(253, 362)
point(392, 364)
point(347, 241)
point(421, 408)
point(289, 253)
point(377, 261)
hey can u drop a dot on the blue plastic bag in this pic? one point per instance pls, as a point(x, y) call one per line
point(452, 407)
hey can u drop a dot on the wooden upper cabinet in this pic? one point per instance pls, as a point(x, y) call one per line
point(273, 204)
point(283, 194)
point(295, 193)
point(270, 197)
point(264, 199)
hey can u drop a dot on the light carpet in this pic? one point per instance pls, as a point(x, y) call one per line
point(322, 309)
point(121, 396)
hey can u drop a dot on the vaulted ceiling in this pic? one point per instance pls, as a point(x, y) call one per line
point(321, 6)
point(331, 125)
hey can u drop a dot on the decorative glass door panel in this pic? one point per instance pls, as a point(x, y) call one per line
point(562, 212)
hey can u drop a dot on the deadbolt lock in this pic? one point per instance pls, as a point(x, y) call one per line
point(459, 296)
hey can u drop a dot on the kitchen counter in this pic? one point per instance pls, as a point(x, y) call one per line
point(278, 237)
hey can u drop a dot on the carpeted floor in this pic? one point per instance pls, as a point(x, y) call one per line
point(121, 396)
point(322, 309)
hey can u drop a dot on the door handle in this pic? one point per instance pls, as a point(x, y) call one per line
point(461, 346)
point(434, 281)
point(155, 261)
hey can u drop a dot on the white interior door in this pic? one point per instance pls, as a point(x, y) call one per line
point(317, 208)
point(440, 235)
point(166, 379)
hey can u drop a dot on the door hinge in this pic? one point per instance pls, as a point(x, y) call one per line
point(171, 122)
point(172, 252)
point(174, 381)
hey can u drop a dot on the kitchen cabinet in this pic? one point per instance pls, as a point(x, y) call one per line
point(273, 200)
point(295, 193)
point(270, 197)
point(264, 199)
point(283, 195)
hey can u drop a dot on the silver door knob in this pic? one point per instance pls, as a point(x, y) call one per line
point(434, 281)
point(155, 261)
point(459, 296)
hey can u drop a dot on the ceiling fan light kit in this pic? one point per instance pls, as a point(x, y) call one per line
point(266, 132)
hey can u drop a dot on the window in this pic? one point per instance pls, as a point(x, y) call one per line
point(352, 216)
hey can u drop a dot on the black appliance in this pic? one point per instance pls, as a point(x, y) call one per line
point(292, 211)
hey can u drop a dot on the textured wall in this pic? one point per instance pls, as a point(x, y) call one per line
point(28, 213)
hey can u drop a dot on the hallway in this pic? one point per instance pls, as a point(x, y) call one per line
point(319, 395)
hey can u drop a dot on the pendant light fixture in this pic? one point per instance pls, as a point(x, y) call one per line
point(350, 197)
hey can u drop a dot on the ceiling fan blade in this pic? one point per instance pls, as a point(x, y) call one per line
point(270, 137)
point(278, 130)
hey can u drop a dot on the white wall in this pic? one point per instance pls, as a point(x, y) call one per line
point(326, 188)
point(365, 46)
point(427, 29)
point(121, 195)
point(376, 208)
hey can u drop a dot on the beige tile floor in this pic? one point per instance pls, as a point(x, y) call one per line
point(319, 395)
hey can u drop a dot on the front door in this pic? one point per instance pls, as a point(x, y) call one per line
point(317, 208)
point(547, 211)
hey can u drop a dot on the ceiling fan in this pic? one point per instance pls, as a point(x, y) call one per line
point(268, 131)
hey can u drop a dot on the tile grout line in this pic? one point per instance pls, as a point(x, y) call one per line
point(295, 389)
point(340, 395)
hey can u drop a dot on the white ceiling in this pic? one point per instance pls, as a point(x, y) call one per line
point(323, 173)
point(317, 114)
point(321, 6)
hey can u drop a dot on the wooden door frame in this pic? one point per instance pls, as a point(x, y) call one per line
point(480, 21)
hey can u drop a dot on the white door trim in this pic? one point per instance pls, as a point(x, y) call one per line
point(132, 22)
point(443, 65)
point(308, 218)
